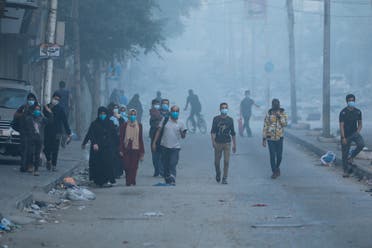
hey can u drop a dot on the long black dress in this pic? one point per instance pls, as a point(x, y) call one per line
point(103, 134)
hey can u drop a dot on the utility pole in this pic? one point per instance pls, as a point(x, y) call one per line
point(292, 61)
point(326, 70)
point(77, 78)
point(52, 20)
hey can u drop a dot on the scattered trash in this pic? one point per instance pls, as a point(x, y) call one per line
point(153, 214)
point(162, 185)
point(369, 182)
point(125, 242)
point(5, 246)
point(81, 207)
point(278, 226)
point(56, 222)
point(328, 159)
point(283, 217)
point(7, 225)
point(221, 200)
point(259, 205)
point(69, 182)
point(80, 194)
point(368, 190)
point(41, 204)
point(35, 207)
point(42, 221)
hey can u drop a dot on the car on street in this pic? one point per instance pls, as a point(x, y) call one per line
point(13, 94)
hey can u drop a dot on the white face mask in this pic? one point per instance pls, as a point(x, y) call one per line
point(55, 102)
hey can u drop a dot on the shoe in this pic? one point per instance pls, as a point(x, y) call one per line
point(49, 165)
point(218, 178)
point(155, 175)
point(224, 181)
point(30, 169)
point(54, 168)
point(274, 175)
point(22, 169)
point(278, 172)
point(36, 173)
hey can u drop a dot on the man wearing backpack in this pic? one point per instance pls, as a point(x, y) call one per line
point(170, 131)
point(18, 125)
point(195, 104)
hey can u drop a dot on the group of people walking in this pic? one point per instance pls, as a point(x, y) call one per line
point(41, 128)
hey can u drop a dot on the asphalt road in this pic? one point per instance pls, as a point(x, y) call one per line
point(308, 206)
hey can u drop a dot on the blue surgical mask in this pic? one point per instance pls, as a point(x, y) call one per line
point(37, 113)
point(102, 117)
point(116, 111)
point(165, 107)
point(175, 115)
point(30, 102)
point(157, 106)
point(133, 118)
point(224, 111)
point(351, 104)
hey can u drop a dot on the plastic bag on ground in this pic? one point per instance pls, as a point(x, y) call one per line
point(80, 194)
point(328, 159)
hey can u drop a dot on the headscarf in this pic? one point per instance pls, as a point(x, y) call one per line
point(132, 133)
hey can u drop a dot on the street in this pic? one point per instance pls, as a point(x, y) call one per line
point(308, 206)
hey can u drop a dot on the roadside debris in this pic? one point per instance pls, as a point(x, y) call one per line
point(283, 217)
point(328, 159)
point(153, 214)
point(259, 205)
point(7, 225)
point(80, 194)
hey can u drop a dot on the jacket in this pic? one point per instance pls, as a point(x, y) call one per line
point(274, 124)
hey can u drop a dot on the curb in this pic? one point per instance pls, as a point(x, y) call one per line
point(358, 171)
point(26, 198)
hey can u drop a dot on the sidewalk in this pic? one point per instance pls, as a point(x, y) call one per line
point(17, 188)
point(311, 140)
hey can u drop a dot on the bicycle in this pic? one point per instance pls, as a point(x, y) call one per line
point(201, 124)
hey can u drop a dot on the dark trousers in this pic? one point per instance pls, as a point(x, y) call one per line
point(23, 150)
point(131, 160)
point(276, 152)
point(247, 126)
point(51, 147)
point(156, 161)
point(33, 150)
point(358, 140)
point(192, 117)
point(170, 159)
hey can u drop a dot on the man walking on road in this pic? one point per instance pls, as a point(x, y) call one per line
point(222, 134)
point(170, 132)
point(246, 111)
point(273, 134)
point(350, 127)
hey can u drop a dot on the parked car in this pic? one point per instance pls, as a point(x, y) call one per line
point(13, 93)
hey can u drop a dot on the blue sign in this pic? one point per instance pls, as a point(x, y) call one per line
point(269, 67)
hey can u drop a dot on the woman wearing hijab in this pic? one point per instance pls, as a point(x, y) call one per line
point(136, 104)
point(114, 116)
point(104, 140)
point(131, 147)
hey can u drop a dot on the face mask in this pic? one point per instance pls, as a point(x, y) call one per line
point(157, 106)
point(224, 111)
point(30, 102)
point(116, 111)
point(133, 118)
point(175, 115)
point(37, 113)
point(165, 107)
point(102, 117)
point(351, 104)
point(55, 102)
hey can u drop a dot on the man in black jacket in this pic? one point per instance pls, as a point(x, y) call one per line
point(54, 130)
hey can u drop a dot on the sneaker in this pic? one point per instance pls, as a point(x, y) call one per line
point(224, 181)
point(274, 175)
point(36, 173)
point(54, 168)
point(218, 178)
point(346, 175)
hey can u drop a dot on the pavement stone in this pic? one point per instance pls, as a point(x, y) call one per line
point(17, 188)
point(310, 140)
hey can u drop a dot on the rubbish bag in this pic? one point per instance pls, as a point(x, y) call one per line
point(6, 225)
point(80, 194)
point(69, 182)
point(328, 159)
